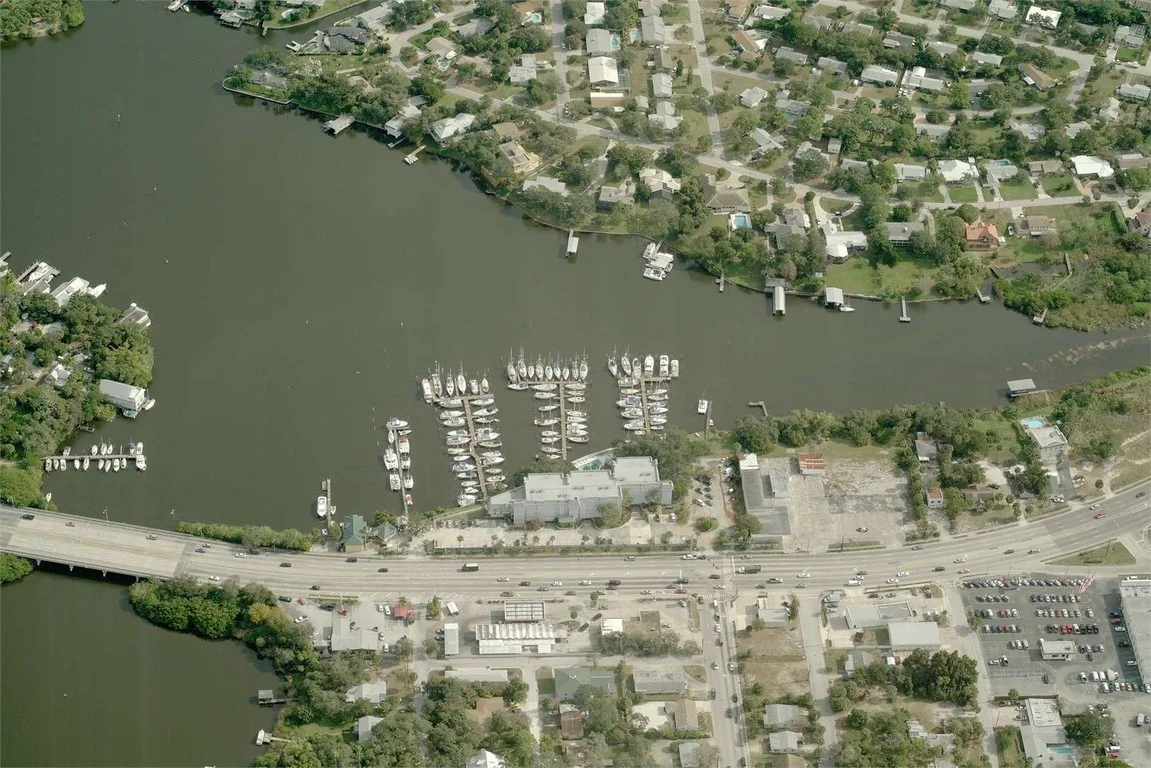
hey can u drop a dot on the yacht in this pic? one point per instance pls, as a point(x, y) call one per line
point(578, 439)
point(437, 384)
point(394, 480)
point(657, 398)
point(485, 385)
point(490, 444)
point(648, 366)
point(453, 422)
point(675, 368)
point(394, 423)
point(635, 366)
point(652, 273)
point(492, 411)
point(391, 460)
point(450, 385)
point(546, 408)
point(518, 386)
point(701, 407)
point(576, 414)
point(488, 420)
point(629, 390)
point(557, 368)
point(87, 463)
point(657, 427)
point(487, 434)
point(474, 386)
point(632, 401)
point(577, 400)
point(658, 419)
point(612, 366)
point(140, 449)
point(466, 476)
point(513, 377)
point(409, 482)
point(493, 462)
point(321, 506)
point(457, 440)
point(458, 433)
point(484, 402)
point(545, 396)
point(531, 371)
point(657, 409)
point(404, 446)
point(405, 461)
point(625, 364)
point(491, 454)
point(632, 413)
point(549, 440)
point(426, 389)
point(634, 426)
point(544, 387)
point(664, 366)
point(452, 402)
point(549, 433)
point(470, 484)
point(94, 450)
point(546, 422)
point(466, 499)
point(115, 464)
point(461, 382)
point(450, 414)
point(141, 463)
point(577, 419)
point(540, 369)
point(521, 367)
point(657, 392)
point(457, 450)
point(550, 450)
point(464, 466)
point(493, 479)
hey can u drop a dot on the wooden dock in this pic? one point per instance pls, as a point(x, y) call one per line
point(338, 124)
point(759, 404)
point(983, 298)
point(473, 444)
point(573, 243)
point(127, 461)
point(903, 316)
point(722, 279)
point(414, 155)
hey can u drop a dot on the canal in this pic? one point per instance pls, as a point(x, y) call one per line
point(299, 285)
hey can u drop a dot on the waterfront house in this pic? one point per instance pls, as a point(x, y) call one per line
point(356, 533)
point(375, 20)
point(1090, 165)
point(957, 171)
point(899, 232)
point(597, 42)
point(64, 293)
point(982, 237)
point(135, 314)
point(549, 183)
point(345, 39)
point(661, 86)
point(925, 448)
point(723, 197)
point(840, 245)
point(1038, 226)
point(450, 127)
point(59, 375)
point(1042, 17)
point(373, 693)
point(652, 31)
point(1133, 92)
point(611, 197)
point(126, 397)
point(751, 97)
point(1003, 9)
point(568, 681)
point(394, 128)
point(602, 70)
point(521, 160)
point(365, 725)
point(594, 14)
point(662, 185)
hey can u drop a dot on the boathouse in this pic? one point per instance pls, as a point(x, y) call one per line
point(126, 397)
point(778, 301)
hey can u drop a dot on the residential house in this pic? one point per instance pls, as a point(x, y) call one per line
point(1131, 36)
point(664, 60)
point(828, 64)
point(899, 232)
point(1140, 222)
point(785, 741)
point(1003, 9)
point(525, 71)
point(907, 172)
point(958, 5)
point(840, 245)
point(594, 13)
point(135, 314)
point(878, 75)
point(986, 59)
point(764, 142)
point(661, 86)
point(612, 197)
point(59, 375)
point(723, 197)
point(782, 715)
point(608, 99)
point(1133, 91)
point(602, 70)
point(999, 171)
point(597, 42)
point(934, 498)
point(1031, 129)
point(375, 19)
point(793, 107)
point(665, 116)
point(819, 22)
point(449, 127)
point(749, 46)
point(365, 725)
point(925, 448)
point(1039, 167)
point(650, 7)
point(1130, 160)
point(976, 86)
point(477, 26)
point(345, 39)
point(652, 30)
point(942, 48)
point(568, 680)
point(486, 759)
point(1042, 17)
point(792, 55)
point(507, 130)
point(683, 713)
point(522, 161)
point(982, 237)
point(768, 13)
point(689, 754)
point(1110, 113)
point(1036, 77)
point(917, 78)
point(1089, 165)
point(373, 693)
point(549, 183)
point(127, 398)
point(957, 171)
point(659, 682)
point(571, 722)
point(1038, 226)
point(441, 48)
point(662, 184)
point(898, 40)
point(932, 131)
point(751, 97)
point(834, 146)
point(737, 9)
point(1074, 129)
point(856, 660)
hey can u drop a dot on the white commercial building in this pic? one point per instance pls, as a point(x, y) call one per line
point(1135, 597)
point(517, 638)
point(1056, 650)
point(1044, 740)
point(451, 639)
point(913, 634)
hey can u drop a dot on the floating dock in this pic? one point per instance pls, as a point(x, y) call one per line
point(903, 316)
point(569, 428)
point(474, 451)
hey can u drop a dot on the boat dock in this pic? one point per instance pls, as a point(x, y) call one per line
point(399, 452)
point(983, 298)
point(263, 738)
point(559, 388)
point(573, 243)
point(470, 415)
point(414, 155)
point(778, 301)
point(267, 697)
point(643, 392)
point(336, 125)
point(108, 458)
point(903, 316)
point(1040, 318)
point(760, 405)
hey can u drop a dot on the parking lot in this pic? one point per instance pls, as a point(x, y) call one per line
point(1017, 611)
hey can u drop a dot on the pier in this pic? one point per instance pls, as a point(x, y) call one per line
point(398, 437)
point(108, 458)
point(263, 738)
point(983, 298)
point(650, 389)
point(326, 495)
point(336, 125)
point(761, 405)
point(266, 698)
point(778, 301)
point(903, 316)
point(472, 447)
point(573, 243)
point(553, 397)
point(414, 155)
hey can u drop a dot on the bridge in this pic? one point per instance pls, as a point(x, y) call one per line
point(137, 551)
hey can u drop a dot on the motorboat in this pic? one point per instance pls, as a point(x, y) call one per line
point(451, 415)
point(575, 427)
point(521, 367)
point(392, 436)
point(657, 398)
point(518, 386)
point(404, 445)
point(454, 422)
point(474, 386)
point(496, 479)
point(577, 414)
point(546, 422)
point(466, 499)
point(457, 450)
point(577, 433)
point(650, 251)
point(47, 465)
point(487, 434)
point(409, 482)
point(470, 483)
point(450, 385)
point(405, 461)
point(546, 408)
point(132, 448)
point(68, 451)
point(94, 450)
point(664, 366)
point(583, 369)
point(545, 387)
point(490, 444)
point(634, 426)
point(486, 411)
point(75, 463)
point(578, 439)
point(458, 433)
point(394, 480)
point(648, 366)
point(465, 476)
point(321, 506)
point(550, 450)
point(426, 389)
point(484, 402)
point(657, 409)
point(657, 392)
point(658, 419)
point(437, 384)
point(629, 402)
point(140, 448)
point(549, 440)
point(108, 465)
point(491, 454)
point(141, 463)
point(701, 407)
point(115, 464)
point(391, 460)
point(493, 462)
point(651, 273)
point(452, 403)
point(657, 427)
point(461, 383)
point(488, 420)
point(577, 386)
point(577, 400)
point(87, 463)
point(485, 385)
point(613, 366)
point(549, 433)
point(457, 440)
point(464, 466)
point(625, 364)
point(629, 391)
point(635, 366)
point(408, 500)
point(545, 395)
point(632, 413)
point(675, 368)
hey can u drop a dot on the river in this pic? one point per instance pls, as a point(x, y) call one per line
point(299, 285)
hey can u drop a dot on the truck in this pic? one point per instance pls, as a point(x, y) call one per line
point(470, 567)
point(452, 609)
point(748, 569)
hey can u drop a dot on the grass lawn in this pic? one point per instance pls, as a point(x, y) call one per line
point(1005, 441)
point(1022, 250)
point(856, 276)
point(973, 520)
point(1060, 67)
point(1111, 553)
point(833, 205)
point(734, 83)
point(963, 194)
point(596, 143)
point(925, 191)
point(1010, 747)
point(1017, 189)
point(1059, 185)
point(546, 681)
point(330, 7)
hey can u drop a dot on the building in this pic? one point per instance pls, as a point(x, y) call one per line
point(365, 725)
point(613, 99)
point(594, 14)
point(521, 160)
point(934, 498)
point(925, 448)
point(571, 722)
point(652, 30)
point(906, 172)
point(768, 13)
point(999, 171)
point(394, 128)
point(135, 314)
point(345, 39)
point(602, 70)
point(751, 97)
point(932, 131)
point(832, 297)
point(611, 196)
point(550, 183)
point(856, 660)
point(917, 79)
point(771, 614)
point(1131, 36)
point(611, 626)
point(878, 75)
point(568, 681)
point(478, 675)
point(64, 293)
point(356, 533)
point(1140, 223)
point(793, 107)
point(1042, 17)
point(1135, 597)
point(684, 715)
point(1130, 160)
point(598, 42)
point(450, 127)
point(828, 64)
point(958, 5)
point(898, 40)
point(442, 48)
point(1038, 226)
point(661, 86)
point(772, 515)
point(782, 715)
point(344, 638)
point(1133, 92)
point(1044, 740)
point(371, 692)
point(749, 46)
point(689, 754)
point(1049, 439)
point(661, 184)
point(982, 237)
point(784, 741)
point(550, 497)
point(840, 245)
point(524, 611)
point(1036, 77)
point(126, 397)
point(1056, 650)
point(724, 198)
point(944, 742)
point(856, 28)
point(1003, 9)
point(790, 54)
point(737, 9)
point(451, 639)
point(59, 375)
point(864, 616)
point(904, 635)
point(986, 59)
point(1040, 167)
point(942, 48)
point(486, 759)
point(659, 682)
point(477, 26)
point(511, 639)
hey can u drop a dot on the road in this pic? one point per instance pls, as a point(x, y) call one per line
point(561, 54)
point(810, 622)
point(704, 69)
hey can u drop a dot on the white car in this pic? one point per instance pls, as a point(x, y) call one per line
point(241, 554)
point(688, 557)
point(901, 574)
point(893, 581)
point(301, 619)
point(213, 578)
point(502, 578)
point(718, 628)
point(803, 575)
point(585, 583)
point(557, 583)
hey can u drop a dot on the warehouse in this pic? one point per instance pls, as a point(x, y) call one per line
point(913, 634)
point(517, 638)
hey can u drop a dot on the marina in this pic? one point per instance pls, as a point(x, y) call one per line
point(559, 387)
point(658, 264)
point(468, 410)
point(397, 460)
point(103, 457)
point(643, 390)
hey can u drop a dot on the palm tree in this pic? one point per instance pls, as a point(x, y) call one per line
point(460, 541)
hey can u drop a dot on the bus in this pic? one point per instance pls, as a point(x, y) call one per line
point(471, 567)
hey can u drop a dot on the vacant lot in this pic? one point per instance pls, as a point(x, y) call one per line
point(963, 195)
point(1111, 553)
point(774, 657)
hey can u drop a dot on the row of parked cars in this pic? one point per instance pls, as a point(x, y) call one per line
point(1069, 598)
point(1073, 629)
point(992, 598)
point(997, 628)
point(1023, 582)
point(1066, 613)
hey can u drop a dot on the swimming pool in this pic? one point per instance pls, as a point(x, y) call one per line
point(739, 221)
point(1034, 422)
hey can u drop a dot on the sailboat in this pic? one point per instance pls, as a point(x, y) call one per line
point(548, 373)
point(531, 371)
point(512, 376)
point(485, 386)
point(521, 367)
point(557, 367)
point(474, 386)
point(461, 382)
point(450, 385)
point(437, 384)
point(612, 365)
point(566, 372)
point(583, 369)
point(539, 369)
point(625, 364)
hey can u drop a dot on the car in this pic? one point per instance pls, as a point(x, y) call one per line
point(1132, 663)
point(284, 599)
point(301, 619)
point(965, 570)
point(1119, 628)
point(1009, 551)
point(613, 587)
point(1093, 507)
point(731, 666)
point(681, 580)
point(152, 537)
point(614, 582)
point(240, 554)
point(507, 594)
point(803, 575)
point(939, 568)
point(861, 530)
point(502, 578)
point(1141, 494)
point(1100, 515)
point(201, 550)
point(715, 665)
point(213, 578)
point(644, 592)
point(712, 694)
point(285, 564)
point(734, 699)
point(351, 560)
point(382, 570)
point(893, 581)
point(901, 574)
point(917, 547)
point(543, 589)
point(557, 583)
point(775, 580)
point(629, 559)
point(525, 583)
point(315, 587)
point(718, 628)
point(584, 583)
point(714, 576)
point(27, 516)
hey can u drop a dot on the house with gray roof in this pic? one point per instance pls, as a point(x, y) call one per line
point(878, 75)
point(1003, 9)
point(662, 185)
point(613, 196)
point(792, 55)
point(909, 172)
point(785, 741)
point(782, 715)
point(958, 5)
point(767, 13)
point(549, 183)
point(858, 28)
point(932, 130)
point(568, 681)
point(661, 86)
point(365, 725)
point(751, 97)
point(986, 59)
point(942, 48)
point(899, 232)
point(374, 693)
point(665, 116)
point(828, 64)
point(819, 22)
point(765, 142)
point(723, 197)
point(999, 171)
point(597, 42)
point(1133, 92)
point(652, 30)
point(898, 40)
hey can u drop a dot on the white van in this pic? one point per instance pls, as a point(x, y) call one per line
point(1140, 719)
point(1105, 687)
point(853, 582)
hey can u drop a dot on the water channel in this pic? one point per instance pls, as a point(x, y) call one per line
point(299, 285)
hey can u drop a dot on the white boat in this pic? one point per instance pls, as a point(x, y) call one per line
point(47, 465)
point(577, 433)
point(141, 463)
point(549, 440)
point(675, 368)
point(488, 420)
point(87, 463)
point(426, 389)
point(576, 414)
point(513, 377)
point(453, 422)
point(453, 402)
point(492, 411)
point(94, 450)
point(577, 386)
point(548, 373)
point(566, 372)
point(457, 450)
point(545, 387)
point(465, 476)
point(116, 465)
point(394, 423)
point(458, 433)
point(612, 366)
point(490, 444)
point(546, 408)
point(405, 462)
point(469, 484)
point(485, 385)
point(453, 440)
point(450, 385)
point(583, 369)
point(491, 454)
point(658, 419)
point(100, 466)
point(631, 401)
point(321, 506)
point(648, 365)
point(518, 387)
point(140, 449)
point(409, 482)
point(521, 367)
point(549, 433)
point(632, 413)
point(657, 427)
point(451, 414)
point(493, 462)
point(577, 419)
point(496, 478)
point(550, 450)
point(437, 383)
point(404, 446)
point(664, 366)
point(546, 422)
point(391, 460)
point(701, 407)
point(474, 386)
point(484, 401)
point(581, 439)
point(657, 409)
point(391, 436)
point(657, 398)
point(108, 465)
point(651, 273)
point(466, 499)
point(487, 434)
point(464, 466)
point(545, 395)
point(394, 480)
point(577, 400)
point(531, 371)
point(461, 383)
point(75, 463)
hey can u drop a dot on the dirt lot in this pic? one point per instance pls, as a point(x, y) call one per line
point(829, 509)
point(775, 658)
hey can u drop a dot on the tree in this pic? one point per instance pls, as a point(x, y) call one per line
point(434, 610)
point(1091, 730)
point(515, 692)
point(610, 515)
point(403, 649)
point(807, 165)
point(19, 487)
point(13, 568)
